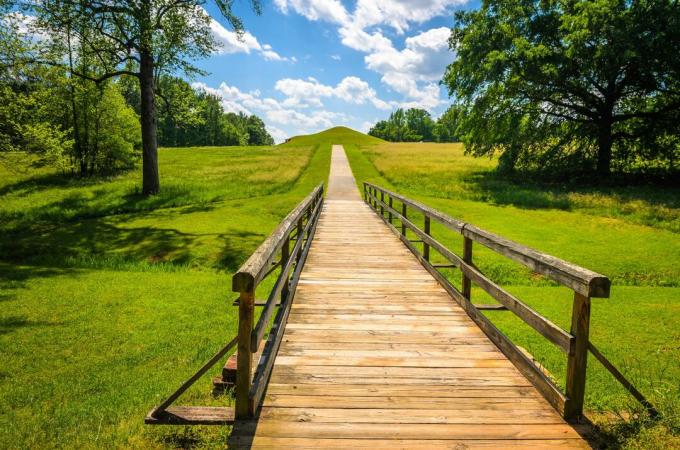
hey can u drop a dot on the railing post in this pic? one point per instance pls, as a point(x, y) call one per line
point(467, 257)
point(244, 359)
point(285, 256)
point(403, 214)
point(389, 214)
point(426, 246)
point(578, 357)
point(300, 229)
point(382, 199)
point(365, 193)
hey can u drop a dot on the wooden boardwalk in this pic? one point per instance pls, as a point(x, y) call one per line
point(376, 354)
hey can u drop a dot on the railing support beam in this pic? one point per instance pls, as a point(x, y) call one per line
point(578, 357)
point(466, 283)
point(244, 359)
point(426, 246)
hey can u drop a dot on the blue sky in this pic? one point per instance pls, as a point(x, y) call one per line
point(306, 65)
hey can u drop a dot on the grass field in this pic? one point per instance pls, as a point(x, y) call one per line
point(628, 234)
point(110, 300)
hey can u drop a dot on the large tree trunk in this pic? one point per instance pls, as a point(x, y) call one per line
point(150, 180)
point(604, 151)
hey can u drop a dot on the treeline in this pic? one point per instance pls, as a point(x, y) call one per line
point(414, 125)
point(190, 117)
point(83, 123)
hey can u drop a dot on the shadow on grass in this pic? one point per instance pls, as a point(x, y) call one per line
point(37, 183)
point(16, 277)
point(528, 194)
point(106, 200)
point(13, 323)
point(101, 244)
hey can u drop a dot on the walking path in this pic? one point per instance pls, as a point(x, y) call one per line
point(376, 354)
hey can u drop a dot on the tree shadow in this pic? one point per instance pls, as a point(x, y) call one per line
point(13, 323)
point(100, 243)
point(529, 193)
point(14, 277)
point(101, 202)
point(37, 183)
point(238, 246)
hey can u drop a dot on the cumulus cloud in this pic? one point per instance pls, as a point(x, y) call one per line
point(411, 71)
point(327, 10)
point(230, 42)
point(308, 93)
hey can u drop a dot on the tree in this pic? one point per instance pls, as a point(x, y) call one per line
point(140, 39)
point(593, 76)
point(420, 123)
point(446, 127)
point(405, 126)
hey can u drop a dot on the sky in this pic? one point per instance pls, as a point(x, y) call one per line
point(307, 65)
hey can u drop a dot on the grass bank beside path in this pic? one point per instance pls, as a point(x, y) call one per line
point(629, 234)
point(111, 300)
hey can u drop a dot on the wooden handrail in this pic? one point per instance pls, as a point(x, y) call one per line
point(581, 280)
point(265, 316)
point(544, 326)
point(300, 223)
point(585, 284)
point(252, 271)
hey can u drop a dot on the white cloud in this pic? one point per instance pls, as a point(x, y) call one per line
point(399, 14)
point(230, 42)
point(327, 10)
point(272, 111)
point(411, 71)
point(277, 133)
point(308, 93)
point(366, 126)
point(336, 57)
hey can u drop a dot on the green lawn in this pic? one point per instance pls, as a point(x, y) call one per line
point(110, 300)
point(629, 234)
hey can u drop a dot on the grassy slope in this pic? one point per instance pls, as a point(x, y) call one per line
point(109, 300)
point(637, 328)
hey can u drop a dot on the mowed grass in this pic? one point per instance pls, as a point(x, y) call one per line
point(627, 234)
point(110, 300)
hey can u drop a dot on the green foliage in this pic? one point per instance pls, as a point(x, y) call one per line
point(138, 39)
point(576, 86)
point(415, 124)
point(446, 127)
point(190, 117)
point(405, 126)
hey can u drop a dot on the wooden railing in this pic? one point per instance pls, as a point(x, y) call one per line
point(299, 227)
point(585, 284)
point(274, 253)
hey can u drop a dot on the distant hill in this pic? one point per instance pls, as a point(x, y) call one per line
point(335, 135)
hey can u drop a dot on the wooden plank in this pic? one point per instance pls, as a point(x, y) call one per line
point(396, 390)
point(268, 442)
point(422, 403)
point(518, 415)
point(276, 428)
point(193, 415)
